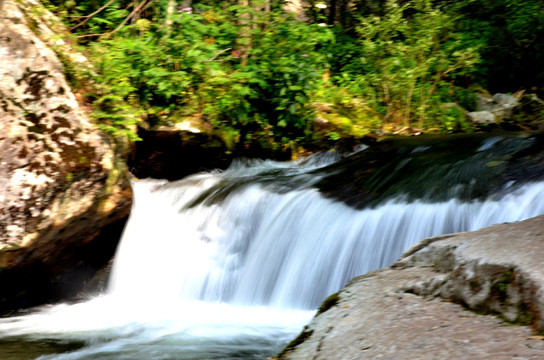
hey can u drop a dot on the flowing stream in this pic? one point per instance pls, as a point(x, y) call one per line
point(232, 264)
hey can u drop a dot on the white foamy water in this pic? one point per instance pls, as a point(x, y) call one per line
point(113, 328)
point(239, 276)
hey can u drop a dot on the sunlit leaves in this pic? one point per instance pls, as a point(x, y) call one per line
point(408, 54)
point(192, 60)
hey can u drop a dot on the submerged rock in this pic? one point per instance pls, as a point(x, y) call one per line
point(435, 168)
point(414, 309)
point(61, 184)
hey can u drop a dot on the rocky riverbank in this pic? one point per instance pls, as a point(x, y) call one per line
point(474, 295)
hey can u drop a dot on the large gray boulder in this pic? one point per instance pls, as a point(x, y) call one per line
point(480, 118)
point(60, 180)
point(494, 109)
point(501, 105)
point(417, 309)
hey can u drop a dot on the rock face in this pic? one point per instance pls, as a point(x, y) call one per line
point(412, 311)
point(520, 112)
point(482, 118)
point(493, 110)
point(60, 181)
point(530, 112)
point(175, 153)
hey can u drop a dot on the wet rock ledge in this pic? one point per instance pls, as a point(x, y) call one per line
point(474, 295)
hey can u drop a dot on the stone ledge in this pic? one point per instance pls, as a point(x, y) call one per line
point(412, 310)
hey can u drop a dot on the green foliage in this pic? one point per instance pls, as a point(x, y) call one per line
point(410, 59)
point(256, 74)
point(190, 64)
point(285, 59)
point(510, 35)
point(345, 114)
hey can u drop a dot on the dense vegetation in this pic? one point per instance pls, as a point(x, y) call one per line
point(257, 72)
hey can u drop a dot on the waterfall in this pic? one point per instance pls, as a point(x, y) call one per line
point(232, 264)
point(261, 246)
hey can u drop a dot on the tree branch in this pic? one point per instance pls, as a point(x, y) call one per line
point(89, 17)
point(134, 12)
point(217, 55)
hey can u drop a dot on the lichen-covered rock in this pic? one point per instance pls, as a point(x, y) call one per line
point(509, 112)
point(494, 270)
point(60, 181)
point(479, 118)
point(500, 105)
point(413, 309)
point(530, 112)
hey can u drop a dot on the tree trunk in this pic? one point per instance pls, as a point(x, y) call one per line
point(332, 12)
point(343, 6)
point(244, 41)
point(169, 12)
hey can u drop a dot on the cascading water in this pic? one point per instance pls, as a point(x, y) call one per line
point(231, 265)
point(281, 250)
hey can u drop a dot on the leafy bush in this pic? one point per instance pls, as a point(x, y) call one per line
point(410, 59)
point(255, 73)
point(510, 34)
point(191, 65)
